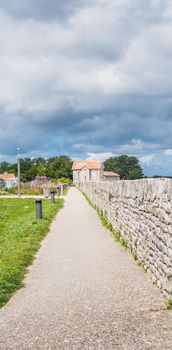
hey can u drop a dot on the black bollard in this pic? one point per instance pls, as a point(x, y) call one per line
point(52, 197)
point(38, 203)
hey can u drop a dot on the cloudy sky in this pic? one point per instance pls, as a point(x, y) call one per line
point(87, 78)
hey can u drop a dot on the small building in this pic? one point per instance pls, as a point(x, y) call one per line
point(91, 170)
point(87, 170)
point(110, 176)
point(7, 180)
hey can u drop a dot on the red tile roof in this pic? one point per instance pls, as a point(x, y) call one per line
point(90, 164)
point(7, 177)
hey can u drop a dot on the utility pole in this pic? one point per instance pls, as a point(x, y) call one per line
point(19, 180)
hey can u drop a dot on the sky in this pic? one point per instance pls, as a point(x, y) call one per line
point(87, 78)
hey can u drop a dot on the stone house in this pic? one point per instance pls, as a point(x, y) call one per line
point(91, 170)
point(87, 170)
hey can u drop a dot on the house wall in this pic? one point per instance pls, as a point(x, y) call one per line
point(86, 174)
point(76, 176)
point(111, 178)
point(141, 211)
point(10, 183)
point(95, 175)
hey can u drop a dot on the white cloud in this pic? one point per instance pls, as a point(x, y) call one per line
point(168, 152)
point(100, 156)
point(102, 50)
point(146, 160)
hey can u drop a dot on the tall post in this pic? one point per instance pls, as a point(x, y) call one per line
point(18, 165)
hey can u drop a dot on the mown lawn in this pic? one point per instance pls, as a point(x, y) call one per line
point(20, 237)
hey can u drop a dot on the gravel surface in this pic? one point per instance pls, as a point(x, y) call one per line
point(84, 292)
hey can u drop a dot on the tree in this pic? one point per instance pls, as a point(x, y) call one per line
point(27, 169)
point(59, 167)
point(41, 167)
point(127, 167)
point(55, 168)
point(4, 167)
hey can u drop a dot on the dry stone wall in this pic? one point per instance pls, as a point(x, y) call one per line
point(141, 211)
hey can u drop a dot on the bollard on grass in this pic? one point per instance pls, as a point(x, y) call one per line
point(52, 197)
point(38, 203)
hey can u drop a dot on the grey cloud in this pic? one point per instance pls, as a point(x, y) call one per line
point(42, 9)
point(107, 128)
point(99, 82)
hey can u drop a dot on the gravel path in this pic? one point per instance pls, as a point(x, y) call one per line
point(84, 292)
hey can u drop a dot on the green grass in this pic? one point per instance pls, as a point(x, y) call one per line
point(20, 237)
point(169, 305)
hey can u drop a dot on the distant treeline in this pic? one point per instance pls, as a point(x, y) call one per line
point(127, 167)
point(55, 168)
point(158, 176)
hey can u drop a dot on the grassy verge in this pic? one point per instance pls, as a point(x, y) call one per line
point(116, 234)
point(169, 305)
point(20, 237)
